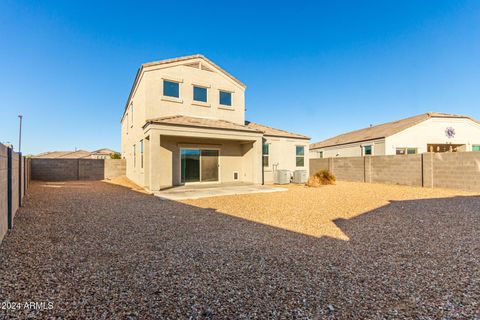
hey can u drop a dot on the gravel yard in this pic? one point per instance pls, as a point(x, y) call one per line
point(352, 250)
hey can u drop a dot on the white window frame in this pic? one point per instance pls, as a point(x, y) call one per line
point(226, 106)
point(371, 148)
point(301, 156)
point(169, 98)
point(266, 155)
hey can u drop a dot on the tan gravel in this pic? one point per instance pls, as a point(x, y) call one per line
point(101, 251)
point(313, 211)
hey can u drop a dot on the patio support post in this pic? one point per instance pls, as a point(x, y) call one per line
point(154, 162)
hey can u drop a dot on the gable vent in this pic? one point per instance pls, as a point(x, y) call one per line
point(206, 68)
point(195, 65)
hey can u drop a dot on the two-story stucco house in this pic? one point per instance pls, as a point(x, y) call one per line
point(184, 122)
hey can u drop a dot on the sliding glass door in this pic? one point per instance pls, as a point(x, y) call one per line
point(199, 165)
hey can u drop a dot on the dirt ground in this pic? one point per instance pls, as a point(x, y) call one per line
point(352, 251)
point(313, 211)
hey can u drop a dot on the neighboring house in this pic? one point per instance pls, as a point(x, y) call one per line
point(184, 122)
point(79, 154)
point(429, 132)
point(104, 153)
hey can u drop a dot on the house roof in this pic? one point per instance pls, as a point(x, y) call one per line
point(64, 155)
point(174, 60)
point(201, 122)
point(223, 124)
point(191, 57)
point(104, 151)
point(382, 130)
point(269, 131)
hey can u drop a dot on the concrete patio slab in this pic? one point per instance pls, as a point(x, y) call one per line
point(204, 191)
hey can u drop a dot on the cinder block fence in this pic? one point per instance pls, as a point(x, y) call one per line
point(457, 170)
point(14, 182)
point(77, 169)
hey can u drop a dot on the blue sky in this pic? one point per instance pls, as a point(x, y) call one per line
point(318, 68)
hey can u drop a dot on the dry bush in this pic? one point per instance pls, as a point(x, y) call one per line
point(320, 178)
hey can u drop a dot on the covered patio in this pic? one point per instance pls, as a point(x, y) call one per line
point(198, 191)
point(178, 153)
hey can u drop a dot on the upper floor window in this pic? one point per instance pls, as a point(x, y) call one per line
point(199, 94)
point(225, 98)
point(367, 150)
point(171, 89)
point(266, 154)
point(317, 154)
point(300, 156)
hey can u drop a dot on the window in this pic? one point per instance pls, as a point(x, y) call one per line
point(367, 150)
point(225, 98)
point(300, 156)
point(171, 89)
point(403, 151)
point(266, 153)
point(134, 156)
point(317, 154)
point(476, 147)
point(199, 94)
point(141, 153)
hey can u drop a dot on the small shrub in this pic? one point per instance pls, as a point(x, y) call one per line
point(115, 155)
point(320, 178)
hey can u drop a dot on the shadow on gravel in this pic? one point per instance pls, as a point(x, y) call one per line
point(109, 252)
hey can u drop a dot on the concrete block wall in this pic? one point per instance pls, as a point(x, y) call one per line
point(402, 169)
point(15, 183)
point(19, 185)
point(91, 169)
point(317, 165)
point(458, 170)
point(348, 169)
point(54, 169)
point(76, 169)
point(115, 168)
point(3, 192)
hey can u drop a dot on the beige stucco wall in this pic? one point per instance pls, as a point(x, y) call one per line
point(283, 155)
point(147, 102)
point(160, 106)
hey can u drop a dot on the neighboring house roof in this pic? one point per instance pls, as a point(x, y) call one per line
point(174, 60)
point(383, 130)
point(104, 151)
point(269, 131)
point(200, 122)
point(223, 124)
point(64, 155)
